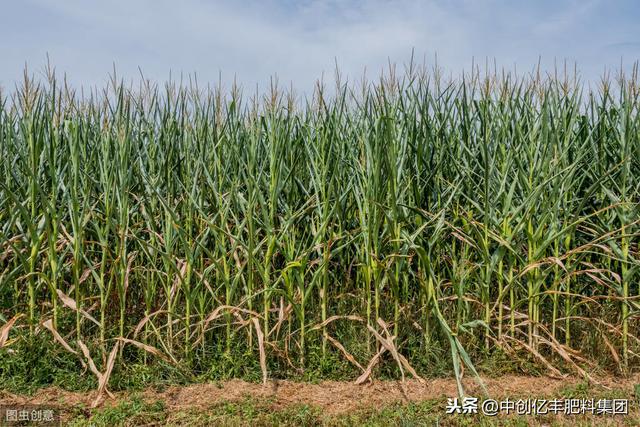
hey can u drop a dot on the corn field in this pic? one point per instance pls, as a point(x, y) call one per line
point(452, 218)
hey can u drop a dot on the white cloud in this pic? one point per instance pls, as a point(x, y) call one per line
point(299, 40)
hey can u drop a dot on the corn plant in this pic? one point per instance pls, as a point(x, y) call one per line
point(488, 213)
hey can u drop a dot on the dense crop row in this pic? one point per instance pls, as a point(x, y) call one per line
point(490, 212)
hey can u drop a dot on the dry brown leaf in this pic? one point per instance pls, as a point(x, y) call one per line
point(612, 349)
point(283, 314)
point(263, 357)
point(334, 318)
point(4, 331)
point(144, 320)
point(400, 359)
point(145, 347)
point(562, 352)
point(110, 363)
point(103, 378)
point(71, 303)
point(555, 372)
point(128, 271)
point(530, 267)
point(390, 347)
point(558, 262)
point(346, 354)
point(85, 275)
point(178, 279)
point(49, 325)
point(87, 355)
point(372, 363)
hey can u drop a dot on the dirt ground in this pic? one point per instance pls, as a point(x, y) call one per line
point(332, 397)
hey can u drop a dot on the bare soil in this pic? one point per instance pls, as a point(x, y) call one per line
point(332, 397)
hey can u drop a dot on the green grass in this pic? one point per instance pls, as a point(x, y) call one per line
point(254, 412)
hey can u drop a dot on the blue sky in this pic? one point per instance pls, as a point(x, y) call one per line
point(300, 40)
